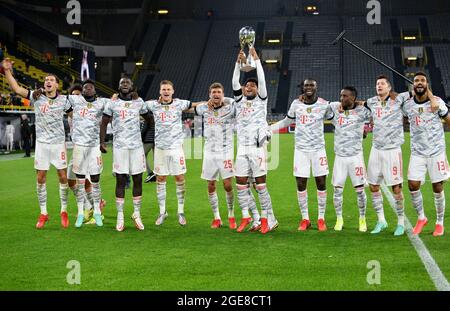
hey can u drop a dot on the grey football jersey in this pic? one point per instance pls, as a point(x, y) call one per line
point(168, 124)
point(387, 119)
point(309, 119)
point(86, 120)
point(218, 126)
point(49, 113)
point(125, 122)
point(427, 132)
point(349, 129)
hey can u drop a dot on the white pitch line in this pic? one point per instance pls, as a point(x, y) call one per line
point(435, 273)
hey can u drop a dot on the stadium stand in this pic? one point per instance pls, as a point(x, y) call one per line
point(359, 70)
point(194, 48)
point(319, 59)
point(180, 57)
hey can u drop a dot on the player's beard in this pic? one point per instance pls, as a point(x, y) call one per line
point(347, 104)
point(424, 90)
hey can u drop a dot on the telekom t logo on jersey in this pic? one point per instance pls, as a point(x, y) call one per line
point(379, 112)
point(74, 13)
point(83, 112)
point(304, 119)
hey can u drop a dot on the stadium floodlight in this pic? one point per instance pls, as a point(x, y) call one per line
point(409, 38)
point(75, 33)
point(271, 61)
point(341, 37)
point(273, 40)
point(163, 12)
point(139, 63)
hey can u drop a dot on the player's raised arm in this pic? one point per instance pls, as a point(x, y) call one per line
point(434, 103)
point(7, 66)
point(262, 89)
point(237, 89)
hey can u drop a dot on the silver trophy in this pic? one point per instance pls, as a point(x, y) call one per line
point(247, 37)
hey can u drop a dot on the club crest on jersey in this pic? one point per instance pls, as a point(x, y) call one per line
point(166, 108)
point(249, 104)
point(89, 105)
point(383, 103)
point(127, 105)
point(216, 113)
point(346, 112)
point(420, 109)
point(50, 102)
point(309, 110)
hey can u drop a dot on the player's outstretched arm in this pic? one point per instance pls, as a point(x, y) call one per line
point(105, 120)
point(193, 105)
point(7, 66)
point(281, 124)
point(262, 89)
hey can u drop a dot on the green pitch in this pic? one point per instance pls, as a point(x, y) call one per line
point(199, 258)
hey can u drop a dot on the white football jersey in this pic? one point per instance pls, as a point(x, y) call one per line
point(387, 119)
point(125, 122)
point(427, 132)
point(218, 126)
point(86, 120)
point(168, 122)
point(251, 119)
point(349, 129)
point(309, 135)
point(49, 113)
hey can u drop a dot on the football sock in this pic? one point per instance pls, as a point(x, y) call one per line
point(243, 199)
point(89, 199)
point(180, 196)
point(230, 203)
point(214, 201)
point(399, 200)
point(161, 195)
point(377, 203)
point(81, 194)
point(119, 205)
point(63, 191)
point(417, 203)
point(137, 201)
point(96, 197)
point(362, 201)
point(439, 202)
point(322, 203)
point(302, 197)
point(264, 199)
point(41, 190)
point(252, 206)
point(338, 197)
